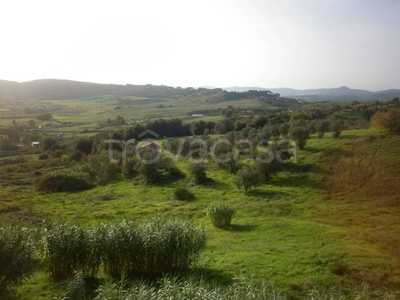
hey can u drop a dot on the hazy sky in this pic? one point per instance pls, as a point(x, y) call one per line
point(265, 43)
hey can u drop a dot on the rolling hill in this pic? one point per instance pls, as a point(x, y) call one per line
point(333, 94)
point(67, 89)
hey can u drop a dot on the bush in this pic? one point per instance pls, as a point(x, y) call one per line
point(100, 168)
point(128, 170)
point(57, 153)
point(221, 214)
point(183, 194)
point(198, 171)
point(43, 156)
point(16, 262)
point(159, 172)
point(63, 181)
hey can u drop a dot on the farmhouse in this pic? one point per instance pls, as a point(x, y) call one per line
point(35, 144)
point(148, 145)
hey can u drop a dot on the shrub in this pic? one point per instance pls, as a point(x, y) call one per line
point(100, 168)
point(63, 181)
point(57, 153)
point(198, 171)
point(43, 156)
point(221, 214)
point(183, 194)
point(16, 261)
point(128, 170)
point(159, 172)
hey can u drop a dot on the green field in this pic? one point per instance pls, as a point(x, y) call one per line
point(292, 232)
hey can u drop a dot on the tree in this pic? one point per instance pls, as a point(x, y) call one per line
point(247, 178)
point(31, 123)
point(223, 126)
point(336, 128)
point(44, 117)
point(300, 136)
point(197, 128)
point(261, 121)
point(48, 142)
point(198, 171)
point(7, 145)
point(311, 127)
point(284, 129)
point(322, 127)
point(389, 121)
point(84, 145)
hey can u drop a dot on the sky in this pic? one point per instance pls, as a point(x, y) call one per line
point(220, 43)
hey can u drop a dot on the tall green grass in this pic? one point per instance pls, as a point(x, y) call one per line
point(150, 249)
point(70, 248)
point(221, 214)
point(16, 256)
point(153, 248)
point(241, 289)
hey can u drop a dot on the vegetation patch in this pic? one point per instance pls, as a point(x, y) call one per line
point(157, 247)
point(16, 257)
point(63, 181)
point(184, 194)
point(221, 214)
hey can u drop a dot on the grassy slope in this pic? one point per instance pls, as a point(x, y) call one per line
point(292, 231)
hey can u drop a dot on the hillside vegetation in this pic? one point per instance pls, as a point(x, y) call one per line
point(277, 199)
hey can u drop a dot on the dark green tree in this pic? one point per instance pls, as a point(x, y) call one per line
point(247, 178)
point(300, 135)
point(322, 127)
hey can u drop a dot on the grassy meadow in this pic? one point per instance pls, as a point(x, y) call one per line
point(333, 225)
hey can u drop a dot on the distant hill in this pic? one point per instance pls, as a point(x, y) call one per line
point(333, 94)
point(68, 89)
point(54, 89)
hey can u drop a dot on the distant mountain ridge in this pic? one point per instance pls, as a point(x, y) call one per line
point(68, 89)
point(330, 94)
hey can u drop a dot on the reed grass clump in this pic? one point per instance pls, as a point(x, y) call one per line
point(156, 247)
point(16, 256)
point(221, 214)
point(70, 248)
point(159, 246)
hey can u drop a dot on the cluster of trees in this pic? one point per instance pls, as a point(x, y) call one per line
point(389, 120)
